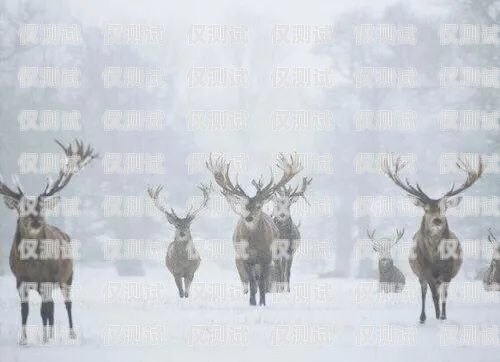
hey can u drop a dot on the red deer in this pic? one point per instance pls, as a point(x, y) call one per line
point(390, 278)
point(182, 258)
point(255, 231)
point(289, 234)
point(436, 255)
point(30, 263)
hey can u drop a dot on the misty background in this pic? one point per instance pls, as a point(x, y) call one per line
point(349, 193)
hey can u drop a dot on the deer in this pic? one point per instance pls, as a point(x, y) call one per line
point(40, 255)
point(255, 232)
point(289, 234)
point(436, 255)
point(391, 279)
point(182, 259)
point(491, 277)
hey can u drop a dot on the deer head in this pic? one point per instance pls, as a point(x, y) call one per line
point(383, 246)
point(31, 209)
point(182, 224)
point(249, 208)
point(286, 196)
point(434, 220)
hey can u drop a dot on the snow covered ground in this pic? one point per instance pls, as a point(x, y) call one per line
point(142, 319)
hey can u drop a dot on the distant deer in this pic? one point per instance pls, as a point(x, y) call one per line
point(182, 258)
point(491, 278)
point(436, 255)
point(289, 233)
point(40, 256)
point(390, 279)
point(255, 231)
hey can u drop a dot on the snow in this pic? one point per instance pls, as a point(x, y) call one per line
point(143, 319)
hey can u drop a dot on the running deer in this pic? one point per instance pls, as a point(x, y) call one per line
point(182, 258)
point(40, 256)
point(491, 278)
point(391, 279)
point(255, 232)
point(436, 254)
point(289, 234)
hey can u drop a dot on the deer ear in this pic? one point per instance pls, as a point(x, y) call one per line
point(49, 203)
point(170, 218)
point(453, 202)
point(417, 202)
point(10, 202)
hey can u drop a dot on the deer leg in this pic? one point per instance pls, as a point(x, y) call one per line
point(423, 287)
point(47, 310)
point(178, 282)
point(66, 292)
point(443, 294)
point(253, 284)
point(263, 280)
point(187, 284)
point(288, 272)
point(435, 298)
point(24, 297)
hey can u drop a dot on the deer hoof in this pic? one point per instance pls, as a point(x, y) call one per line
point(72, 334)
point(23, 341)
point(186, 295)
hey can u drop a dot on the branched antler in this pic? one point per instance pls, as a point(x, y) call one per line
point(392, 173)
point(491, 238)
point(290, 192)
point(75, 161)
point(154, 194)
point(206, 190)
point(7, 191)
point(472, 176)
point(220, 170)
point(399, 236)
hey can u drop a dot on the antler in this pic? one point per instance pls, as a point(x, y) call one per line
point(414, 191)
point(472, 176)
point(7, 191)
point(76, 160)
point(154, 194)
point(399, 236)
point(288, 191)
point(491, 237)
point(290, 167)
point(371, 236)
point(206, 195)
point(220, 170)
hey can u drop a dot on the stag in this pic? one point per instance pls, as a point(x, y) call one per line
point(255, 232)
point(491, 278)
point(40, 256)
point(391, 279)
point(436, 254)
point(182, 258)
point(289, 235)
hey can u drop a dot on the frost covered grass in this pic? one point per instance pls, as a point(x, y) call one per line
point(143, 319)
